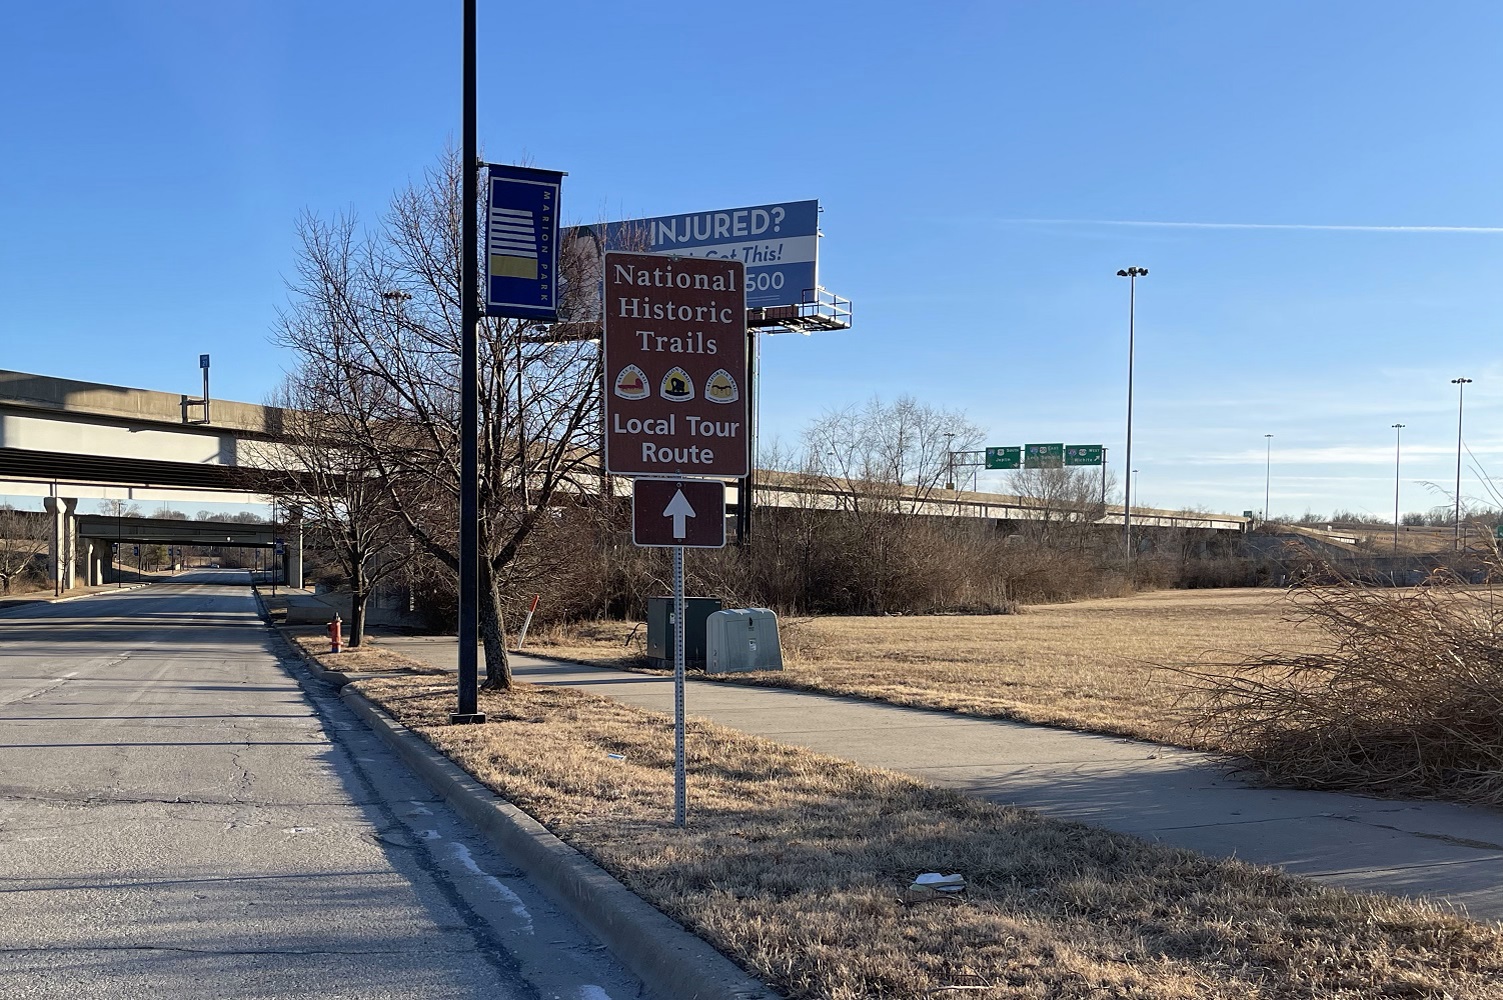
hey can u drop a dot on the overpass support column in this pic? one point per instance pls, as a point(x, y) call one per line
point(70, 544)
point(94, 553)
point(295, 550)
point(62, 544)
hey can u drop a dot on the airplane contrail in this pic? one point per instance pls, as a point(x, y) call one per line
point(1257, 225)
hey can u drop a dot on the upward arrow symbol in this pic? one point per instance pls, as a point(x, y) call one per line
point(678, 508)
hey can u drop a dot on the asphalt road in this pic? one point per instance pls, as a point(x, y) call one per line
point(179, 819)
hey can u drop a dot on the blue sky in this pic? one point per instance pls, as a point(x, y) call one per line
point(985, 168)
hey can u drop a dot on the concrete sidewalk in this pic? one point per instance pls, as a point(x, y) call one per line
point(48, 597)
point(1445, 852)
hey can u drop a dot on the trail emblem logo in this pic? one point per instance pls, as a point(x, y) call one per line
point(721, 388)
point(677, 386)
point(632, 383)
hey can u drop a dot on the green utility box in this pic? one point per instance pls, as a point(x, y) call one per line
point(660, 630)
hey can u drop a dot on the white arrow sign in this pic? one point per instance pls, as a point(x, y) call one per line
point(678, 508)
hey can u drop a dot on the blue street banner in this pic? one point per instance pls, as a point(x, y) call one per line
point(521, 242)
point(778, 243)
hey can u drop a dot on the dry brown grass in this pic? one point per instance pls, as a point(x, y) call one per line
point(1108, 665)
point(793, 863)
point(367, 658)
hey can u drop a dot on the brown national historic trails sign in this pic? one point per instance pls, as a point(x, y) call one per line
point(676, 394)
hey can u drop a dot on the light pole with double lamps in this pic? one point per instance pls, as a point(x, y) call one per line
point(1132, 274)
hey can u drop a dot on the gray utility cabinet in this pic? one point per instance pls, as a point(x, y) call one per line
point(742, 639)
point(660, 629)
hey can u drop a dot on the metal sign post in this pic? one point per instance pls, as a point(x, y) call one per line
point(680, 788)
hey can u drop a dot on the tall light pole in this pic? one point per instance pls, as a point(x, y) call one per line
point(1460, 384)
point(1132, 274)
point(950, 457)
point(467, 710)
point(1267, 472)
point(1397, 430)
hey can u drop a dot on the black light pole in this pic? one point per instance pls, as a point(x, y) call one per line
point(950, 455)
point(1397, 430)
point(469, 403)
point(276, 557)
point(1267, 473)
point(1103, 482)
point(1460, 384)
point(1132, 274)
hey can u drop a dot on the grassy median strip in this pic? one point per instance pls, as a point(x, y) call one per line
point(794, 864)
point(1109, 666)
point(369, 657)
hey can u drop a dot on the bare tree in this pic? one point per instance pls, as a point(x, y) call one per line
point(378, 311)
point(1067, 503)
point(886, 457)
point(335, 484)
point(119, 508)
point(883, 463)
point(23, 537)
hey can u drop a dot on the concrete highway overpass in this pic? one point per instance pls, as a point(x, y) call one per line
point(62, 437)
point(66, 440)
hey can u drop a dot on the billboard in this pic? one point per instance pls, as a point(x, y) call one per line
point(521, 242)
point(778, 243)
point(674, 364)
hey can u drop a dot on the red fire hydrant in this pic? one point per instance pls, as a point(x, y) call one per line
point(336, 641)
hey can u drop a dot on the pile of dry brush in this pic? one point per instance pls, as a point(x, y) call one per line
point(1404, 698)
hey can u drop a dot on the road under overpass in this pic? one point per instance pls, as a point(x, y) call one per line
point(88, 539)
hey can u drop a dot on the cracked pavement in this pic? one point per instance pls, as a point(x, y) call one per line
point(178, 818)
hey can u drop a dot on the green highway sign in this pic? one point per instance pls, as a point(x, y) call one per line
point(1043, 456)
point(1004, 458)
point(1085, 454)
point(1498, 532)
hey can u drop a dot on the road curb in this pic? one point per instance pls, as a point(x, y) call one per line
point(667, 958)
point(334, 678)
point(26, 601)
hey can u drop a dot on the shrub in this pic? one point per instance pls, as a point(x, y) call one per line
point(1405, 698)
